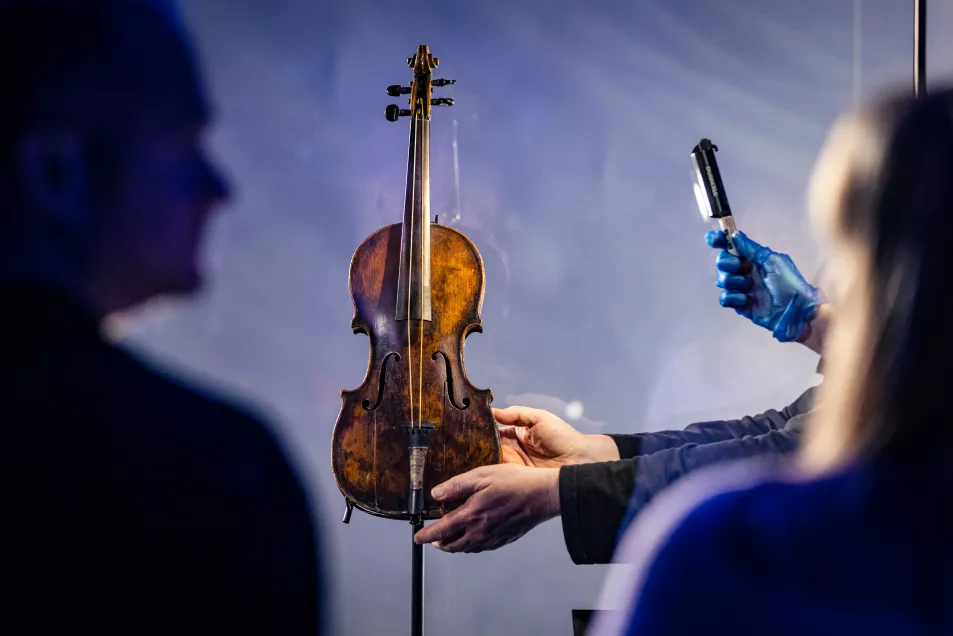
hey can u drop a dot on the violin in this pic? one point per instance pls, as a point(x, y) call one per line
point(417, 289)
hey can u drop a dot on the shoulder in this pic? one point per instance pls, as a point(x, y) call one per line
point(113, 396)
point(138, 382)
point(214, 470)
point(162, 417)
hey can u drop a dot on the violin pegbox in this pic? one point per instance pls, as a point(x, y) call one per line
point(421, 88)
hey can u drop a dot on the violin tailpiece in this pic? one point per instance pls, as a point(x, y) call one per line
point(418, 439)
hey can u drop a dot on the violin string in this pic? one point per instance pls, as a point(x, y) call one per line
point(410, 278)
point(420, 375)
point(420, 400)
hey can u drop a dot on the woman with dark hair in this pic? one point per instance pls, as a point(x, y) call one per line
point(852, 537)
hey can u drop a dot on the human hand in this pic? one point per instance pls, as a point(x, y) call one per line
point(534, 437)
point(501, 503)
point(765, 287)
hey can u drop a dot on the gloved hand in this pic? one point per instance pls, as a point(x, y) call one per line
point(765, 287)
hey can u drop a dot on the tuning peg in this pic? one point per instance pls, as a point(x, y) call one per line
point(443, 82)
point(395, 112)
point(442, 101)
point(396, 90)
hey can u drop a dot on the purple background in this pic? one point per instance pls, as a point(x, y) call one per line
point(575, 122)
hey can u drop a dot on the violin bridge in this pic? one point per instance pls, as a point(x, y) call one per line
point(418, 440)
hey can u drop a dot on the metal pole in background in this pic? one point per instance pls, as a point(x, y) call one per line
point(919, 47)
point(858, 51)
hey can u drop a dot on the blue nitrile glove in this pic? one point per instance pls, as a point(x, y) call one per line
point(765, 287)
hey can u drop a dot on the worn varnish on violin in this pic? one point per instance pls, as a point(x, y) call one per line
point(417, 289)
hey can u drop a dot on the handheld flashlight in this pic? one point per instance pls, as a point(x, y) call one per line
point(710, 191)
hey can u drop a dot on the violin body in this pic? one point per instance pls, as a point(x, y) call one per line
point(415, 367)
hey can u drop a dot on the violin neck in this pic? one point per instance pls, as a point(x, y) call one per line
point(413, 282)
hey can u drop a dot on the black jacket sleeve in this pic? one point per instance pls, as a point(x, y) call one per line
point(598, 500)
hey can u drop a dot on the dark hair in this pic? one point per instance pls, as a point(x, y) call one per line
point(894, 334)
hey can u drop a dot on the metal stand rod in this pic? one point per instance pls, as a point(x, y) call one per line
point(417, 584)
point(417, 438)
point(919, 47)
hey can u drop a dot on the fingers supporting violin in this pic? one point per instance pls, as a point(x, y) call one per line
point(461, 486)
point(513, 435)
point(508, 433)
point(459, 533)
point(448, 528)
point(463, 542)
point(513, 453)
point(517, 416)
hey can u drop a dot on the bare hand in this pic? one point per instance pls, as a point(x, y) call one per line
point(534, 437)
point(501, 503)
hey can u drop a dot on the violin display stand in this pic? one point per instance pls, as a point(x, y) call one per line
point(417, 582)
point(417, 440)
point(417, 573)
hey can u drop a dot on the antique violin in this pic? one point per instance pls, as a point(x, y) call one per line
point(417, 289)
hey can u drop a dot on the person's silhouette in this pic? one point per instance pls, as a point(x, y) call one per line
point(132, 503)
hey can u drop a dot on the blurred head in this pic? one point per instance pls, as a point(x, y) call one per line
point(103, 173)
point(882, 203)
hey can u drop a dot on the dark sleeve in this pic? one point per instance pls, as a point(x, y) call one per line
point(710, 432)
point(597, 501)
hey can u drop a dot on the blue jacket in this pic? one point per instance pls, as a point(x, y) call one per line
point(749, 549)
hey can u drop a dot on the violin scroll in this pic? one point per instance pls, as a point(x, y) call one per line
point(422, 62)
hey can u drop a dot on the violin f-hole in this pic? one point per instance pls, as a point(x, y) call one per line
point(381, 380)
point(453, 400)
